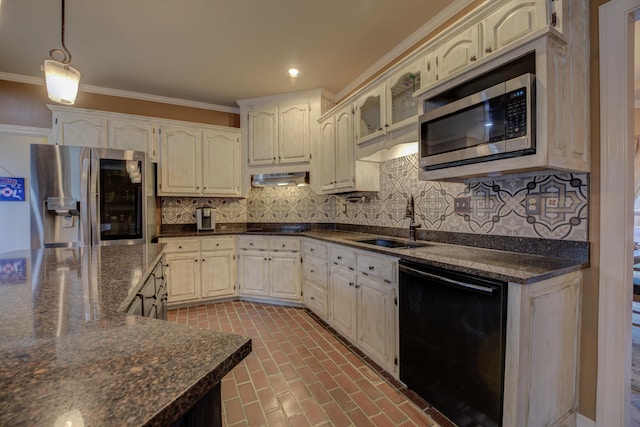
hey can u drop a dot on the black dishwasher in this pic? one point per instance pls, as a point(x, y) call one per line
point(452, 341)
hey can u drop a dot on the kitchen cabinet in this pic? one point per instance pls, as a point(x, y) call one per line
point(99, 129)
point(270, 267)
point(79, 128)
point(137, 135)
point(199, 161)
point(315, 276)
point(341, 172)
point(370, 111)
point(279, 134)
point(512, 22)
point(458, 52)
point(363, 302)
point(200, 269)
point(402, 107)
point(221, 170)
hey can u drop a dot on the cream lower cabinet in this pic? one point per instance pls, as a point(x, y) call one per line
point(315, 277)
point(363, 303)
point(200, 269)
point(270, 267)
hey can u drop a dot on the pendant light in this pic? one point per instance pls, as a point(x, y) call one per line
point(61, 79)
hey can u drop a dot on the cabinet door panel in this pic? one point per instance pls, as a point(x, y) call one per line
point(370, 115)
point(181, 161)
point(376, 320)
point(130, 135)
point(402, 107)
point(218, 272)
point(293, 134)
point(221, 163)
point(511, 23)
point(343, 301)
point(183, 276)
point(459, 52)
point(253, 270)
point(327, 132)
point(345, 164)
point(263, 134)
point(285, 275)
point(82, 131)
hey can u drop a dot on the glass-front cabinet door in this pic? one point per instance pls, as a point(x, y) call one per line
point(402, 107)
point(370, 115)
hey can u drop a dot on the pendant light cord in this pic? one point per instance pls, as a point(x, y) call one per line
point(66, 55)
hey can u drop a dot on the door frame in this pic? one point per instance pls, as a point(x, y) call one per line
point(616, 22)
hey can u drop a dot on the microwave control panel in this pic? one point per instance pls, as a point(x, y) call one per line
point(516, 114)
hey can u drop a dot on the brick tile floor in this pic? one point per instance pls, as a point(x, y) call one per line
point(300, 373)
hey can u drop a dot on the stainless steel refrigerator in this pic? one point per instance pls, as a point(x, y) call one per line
point(87, 196)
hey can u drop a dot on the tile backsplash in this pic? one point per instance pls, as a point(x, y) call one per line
point(539, 205)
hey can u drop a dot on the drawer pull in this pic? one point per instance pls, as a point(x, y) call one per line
point(351, 284)
point(250, 243)
point(217, 244)
point(312, 249)
point(180, 247)
point(371, 268)
point(312, 271)
point(339, 257)
point(312, 298)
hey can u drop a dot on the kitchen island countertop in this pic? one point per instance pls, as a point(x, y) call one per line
point(69, 355)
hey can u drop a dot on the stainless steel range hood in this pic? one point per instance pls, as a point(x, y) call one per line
point(280, 179)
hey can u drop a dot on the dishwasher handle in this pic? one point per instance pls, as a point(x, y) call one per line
point(468, 286)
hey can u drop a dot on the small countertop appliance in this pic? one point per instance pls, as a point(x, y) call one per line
point(205, 219)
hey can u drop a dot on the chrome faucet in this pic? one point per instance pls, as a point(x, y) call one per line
point(410, 213)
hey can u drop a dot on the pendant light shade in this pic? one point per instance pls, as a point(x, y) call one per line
point(61, 79)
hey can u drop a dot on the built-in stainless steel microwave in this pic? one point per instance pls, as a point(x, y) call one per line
point(494, 123)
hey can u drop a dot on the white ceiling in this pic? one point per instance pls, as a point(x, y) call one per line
point(214, 51)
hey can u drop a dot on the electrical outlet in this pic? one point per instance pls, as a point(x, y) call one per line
point(461, 205)
point(532, 204)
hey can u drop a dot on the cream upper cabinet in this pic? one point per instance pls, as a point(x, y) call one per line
point(370, 115)
point(293, 133)
point(181, 161)
point(200, 161)
point(279, 134)
point(79, 128)
point(344, 159)
point(512, 22)
point(458, 52)
point(137, 135)
point(263, 136)
point(340, 171)
point(402, 108)
point(221, 170)
point(328, 138)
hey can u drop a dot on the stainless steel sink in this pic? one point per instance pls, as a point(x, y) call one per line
point(391, 243)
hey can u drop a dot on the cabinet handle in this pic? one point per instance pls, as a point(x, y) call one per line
point(312, 271)
point(311, 249)
point(554, 19)
point(284, 246)
point(195, 260)
point(371, 268)
point(202, 259)
point(380, 128)
point(428, 65)
point(197, 188)
point(473, 58)
point(217, 244)
point(179, 247)
point(312, 298)
point(488, 50)
point(351, 283)
point(269, 259)
point(265, 259)
point(204, 188)
point(339, 257)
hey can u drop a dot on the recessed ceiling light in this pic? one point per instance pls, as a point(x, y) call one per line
point(294, 72)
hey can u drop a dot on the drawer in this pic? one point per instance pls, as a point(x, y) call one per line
point(245, 242)
point(284, 244)
point(182, 246)
point(316, 299)
point(342, 255)
point(384, 268)
point(217, 244)
point(315, 270)
point(315, 247)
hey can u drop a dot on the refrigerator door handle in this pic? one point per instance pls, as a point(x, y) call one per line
point(94, 195)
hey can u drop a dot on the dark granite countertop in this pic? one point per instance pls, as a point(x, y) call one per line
point(68, 354)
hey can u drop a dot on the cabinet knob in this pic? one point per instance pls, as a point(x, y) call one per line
point(204, 188)
point(250, 243)
point(284, 245)
point(217, 244)
point(195, 260)
point(202, 259)
point(473, 58)
point(311, 249)
point(488, 50)
point(265, 259)
point(371, 268)
point(197, 188)
point(312, 298)
point(380, 128)
point(269, 259)
point(357, 286)
point(339, 257)
point(351, 284)
point(180, 247)
point(312, 271)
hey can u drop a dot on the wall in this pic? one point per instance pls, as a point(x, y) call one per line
point(26, 105)
point(14, 216)
point(495, 207)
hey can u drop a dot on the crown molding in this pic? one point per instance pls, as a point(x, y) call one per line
point(24, 130)
point(448, 13)
point(126, 94)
